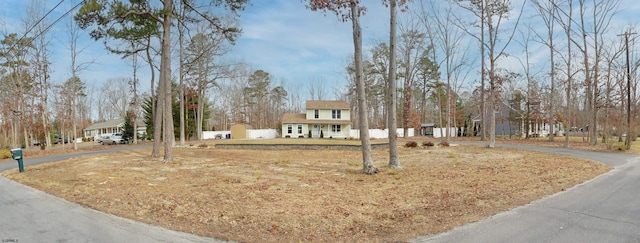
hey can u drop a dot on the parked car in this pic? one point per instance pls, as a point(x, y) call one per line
point(60, 140)
point(113, 139)
point(102, 137)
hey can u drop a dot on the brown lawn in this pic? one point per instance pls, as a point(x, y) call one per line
point(309, 196)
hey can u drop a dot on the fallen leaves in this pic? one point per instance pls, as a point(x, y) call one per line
point(318, 196)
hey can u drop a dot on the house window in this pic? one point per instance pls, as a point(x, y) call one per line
point(316, 114)
point(299, 129)
point(289, 129)
point(336, 114)
point(336, 128)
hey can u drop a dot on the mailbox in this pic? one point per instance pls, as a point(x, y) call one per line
point(17, 155)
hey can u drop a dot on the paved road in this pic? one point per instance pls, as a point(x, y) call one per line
point(29, 215)
point(605, 209)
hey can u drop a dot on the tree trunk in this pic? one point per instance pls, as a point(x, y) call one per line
point(181, 85)
point(569, 75)
point(394, 162)
point(134, 120)
point(492, 83)
point(367, 162)
point(406, 106)
point(156, 108)
point(200, 114)
point(166, 80)
point(74, 109)
point(552, 108)
point(483, 129)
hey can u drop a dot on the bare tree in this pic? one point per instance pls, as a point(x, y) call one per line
point(202, 70)
point(532, 95)
point(414, 49)
point(76, 84)
point(352, 10)
point(448, 42)
point(495, 11)
point(40, 70)
point(317, 89)
point(547, 13)
point(113, 96)
point(566, 26)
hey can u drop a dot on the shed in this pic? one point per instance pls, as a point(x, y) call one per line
point(239, 131)
point(426, 129)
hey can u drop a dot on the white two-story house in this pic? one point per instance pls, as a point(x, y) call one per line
point(324, 118)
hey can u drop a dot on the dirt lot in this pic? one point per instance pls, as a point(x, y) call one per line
point(310, 196)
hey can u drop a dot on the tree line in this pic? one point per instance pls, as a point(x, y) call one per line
point(552, 62)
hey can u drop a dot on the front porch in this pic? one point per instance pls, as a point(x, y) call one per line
point(329, 130)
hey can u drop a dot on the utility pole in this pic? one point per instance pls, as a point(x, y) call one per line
point(628, 138)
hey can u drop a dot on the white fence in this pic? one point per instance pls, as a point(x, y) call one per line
point(262, 133)
point(440, 132)
point(251, 134)
point(379, 133)
point(212, 134)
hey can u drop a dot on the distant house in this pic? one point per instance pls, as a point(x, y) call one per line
point(111, 126)
point(323, 118)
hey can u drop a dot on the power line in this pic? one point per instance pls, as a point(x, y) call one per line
point(36, 24)
point(58, 20)
point(50, 25)
point(41, 19)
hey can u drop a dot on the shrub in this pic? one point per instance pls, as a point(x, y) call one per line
point(5, 153)
point(444, 144)
point(411, 144)
point(427, 144)
point(204, 145)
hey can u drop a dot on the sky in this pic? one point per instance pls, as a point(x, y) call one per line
point(281, 37)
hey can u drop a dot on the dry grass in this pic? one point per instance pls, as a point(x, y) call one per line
point(309, 196)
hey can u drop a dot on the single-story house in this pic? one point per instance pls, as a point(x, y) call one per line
point(111, 126)
point(323, 118)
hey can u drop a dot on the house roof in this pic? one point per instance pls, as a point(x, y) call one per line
point(106, 124)
point(428, 125)
point(327, 104)
point(112, 123)
point(302, 119)
point(294, 118)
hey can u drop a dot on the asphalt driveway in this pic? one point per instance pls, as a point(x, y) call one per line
point(605, 209)
point(29, 215)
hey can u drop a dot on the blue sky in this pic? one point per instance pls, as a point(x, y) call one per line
point(281, 37)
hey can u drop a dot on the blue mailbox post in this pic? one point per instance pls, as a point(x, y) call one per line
point(17, 155)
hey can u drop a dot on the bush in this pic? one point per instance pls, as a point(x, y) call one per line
point(204, 145)
point(411, 144)
point(444, 144)
point(427, 144)
point(5, 153)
